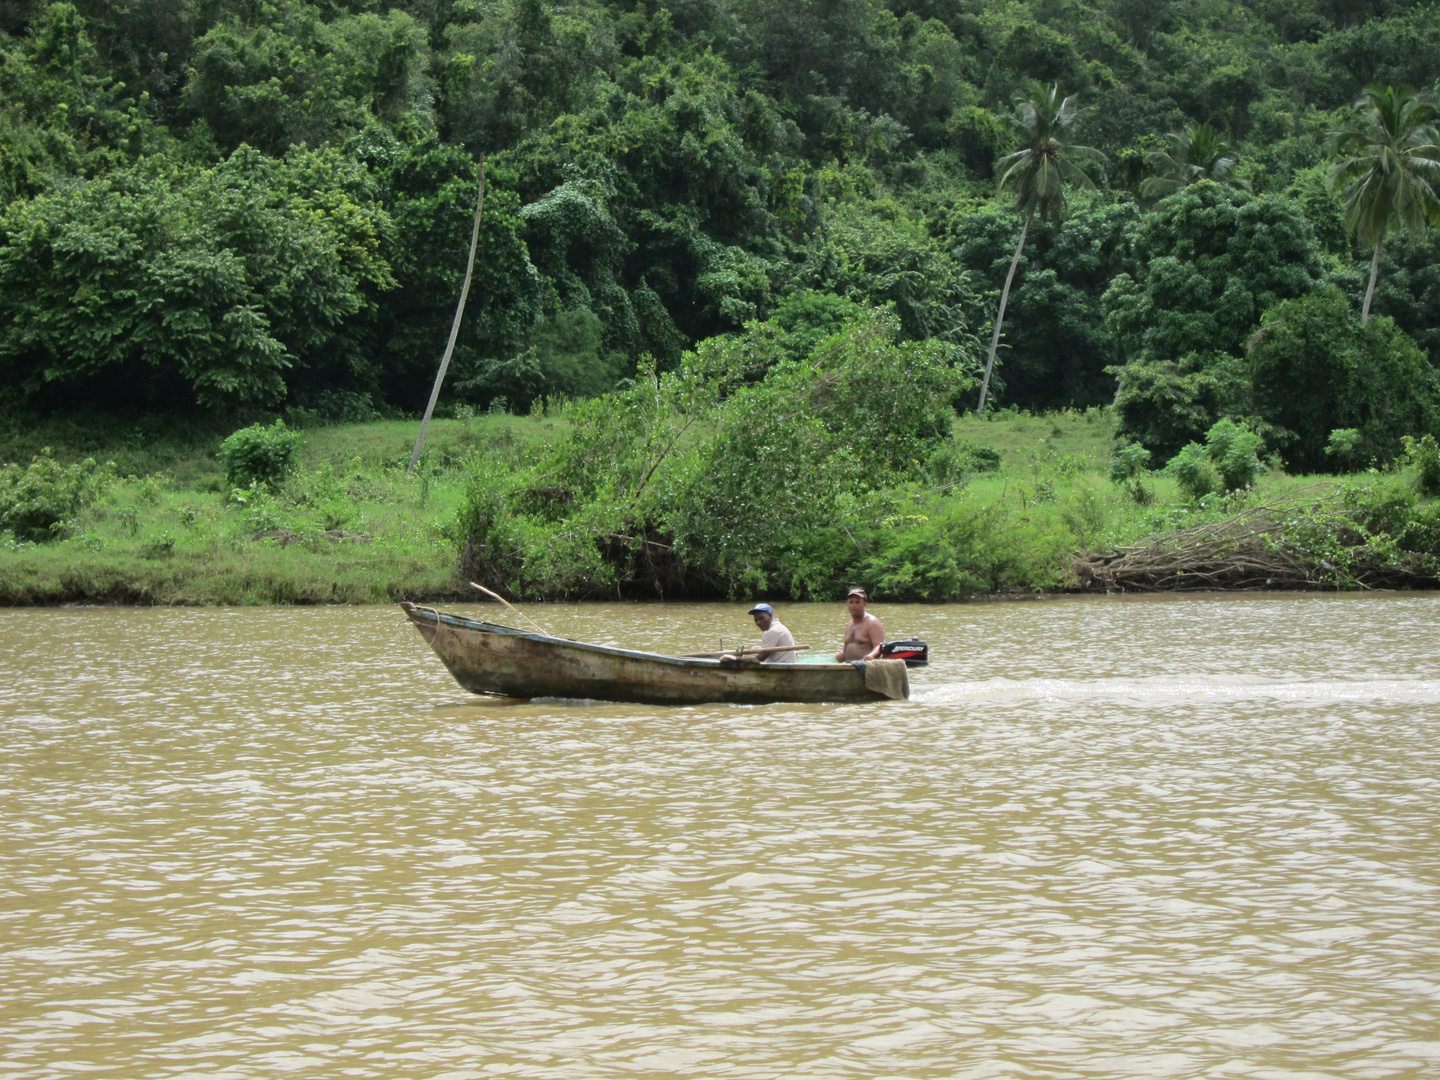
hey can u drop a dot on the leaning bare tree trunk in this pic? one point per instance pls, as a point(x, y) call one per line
point(1000, 318)
point(1370, 291)
point(454, 327)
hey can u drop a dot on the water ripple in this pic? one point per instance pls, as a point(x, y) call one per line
point(1160, 838)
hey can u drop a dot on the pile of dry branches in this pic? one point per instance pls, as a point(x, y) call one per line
point(1261, 548)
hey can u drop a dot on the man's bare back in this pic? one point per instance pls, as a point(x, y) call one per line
point(864, 633)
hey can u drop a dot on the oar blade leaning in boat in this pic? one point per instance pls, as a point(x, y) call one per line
point(518, 613)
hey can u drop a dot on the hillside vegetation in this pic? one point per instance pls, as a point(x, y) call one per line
point(1006, 505)
point(748, 259)
point(236, 203)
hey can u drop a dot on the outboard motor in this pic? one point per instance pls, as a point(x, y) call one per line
point(915, 653)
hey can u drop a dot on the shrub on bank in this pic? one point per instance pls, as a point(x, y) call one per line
point(38, 502)
point(965, 547)
point(743, 469)
point(259, 455)
point(1316, 369)
point(1310, 370)
point(1423, 455)
point(1227, 462)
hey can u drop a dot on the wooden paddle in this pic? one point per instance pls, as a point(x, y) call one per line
point(744, 652)
point(518, 613)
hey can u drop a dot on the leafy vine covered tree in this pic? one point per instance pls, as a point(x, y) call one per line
point(657, 174)
point(1038, 173)
point(1390, 168)
point(1197, 153)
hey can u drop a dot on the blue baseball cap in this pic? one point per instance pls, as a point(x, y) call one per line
point(761, 607)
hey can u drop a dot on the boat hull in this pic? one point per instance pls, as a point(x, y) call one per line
point(487, 658)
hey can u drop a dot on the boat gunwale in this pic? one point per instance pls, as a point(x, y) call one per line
point(431, 615)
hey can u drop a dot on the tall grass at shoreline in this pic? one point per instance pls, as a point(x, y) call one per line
point(350, 527)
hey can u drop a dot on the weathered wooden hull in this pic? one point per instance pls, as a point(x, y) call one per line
point(486, 658)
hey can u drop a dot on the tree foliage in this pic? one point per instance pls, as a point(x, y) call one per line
point(718, 475)
point(1209, 261)
point(211, 279)
point(1195, 154)
point(1316, 369)
point(1040, 171)
point(1390, 166)
point(1037, 173)
point(656, 176)
point(1056, 347)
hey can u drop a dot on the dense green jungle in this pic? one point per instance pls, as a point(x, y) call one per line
point(946, 298)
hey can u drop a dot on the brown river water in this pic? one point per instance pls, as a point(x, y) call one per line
point(1106, 838)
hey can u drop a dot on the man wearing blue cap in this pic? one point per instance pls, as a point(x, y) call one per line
point(774, 633)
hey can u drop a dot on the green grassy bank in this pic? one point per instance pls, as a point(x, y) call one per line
point(349, 526)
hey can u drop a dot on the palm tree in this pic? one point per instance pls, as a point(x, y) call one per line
point(1390, 164)
point(1197, 153)
point(1038, 172)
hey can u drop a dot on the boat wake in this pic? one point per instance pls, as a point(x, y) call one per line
point(1211, 688)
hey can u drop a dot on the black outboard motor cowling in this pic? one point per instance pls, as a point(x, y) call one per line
point(915, 653)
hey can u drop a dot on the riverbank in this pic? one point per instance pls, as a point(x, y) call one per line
point(347, 527)
point(1030, 509)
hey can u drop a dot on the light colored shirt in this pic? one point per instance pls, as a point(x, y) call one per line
point(777, 635)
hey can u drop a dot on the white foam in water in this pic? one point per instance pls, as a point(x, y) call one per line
point(1420, 691)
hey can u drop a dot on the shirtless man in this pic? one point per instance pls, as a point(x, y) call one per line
point(864, 634)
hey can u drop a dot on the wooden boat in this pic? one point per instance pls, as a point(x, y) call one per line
point(487, 658)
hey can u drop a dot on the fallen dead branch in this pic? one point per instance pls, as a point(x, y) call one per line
point(1265, 547)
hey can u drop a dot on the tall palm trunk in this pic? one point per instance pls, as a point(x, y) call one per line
point(454, 327)
point(1370, 290)
point(1000, 317)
